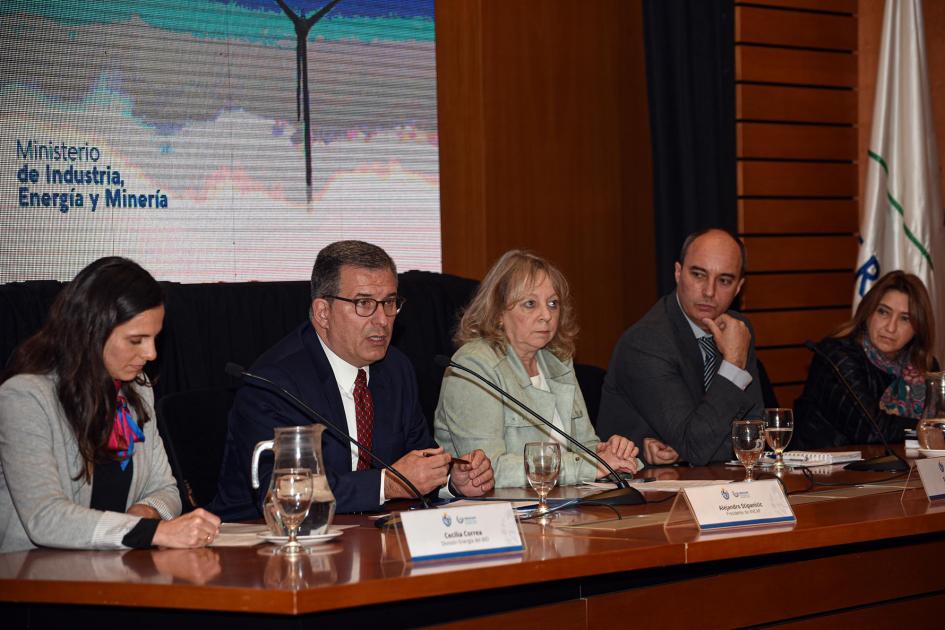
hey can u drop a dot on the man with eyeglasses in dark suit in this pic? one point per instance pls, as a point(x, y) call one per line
point(340, 363)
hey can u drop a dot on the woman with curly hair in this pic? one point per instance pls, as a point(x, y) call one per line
point(519, 332)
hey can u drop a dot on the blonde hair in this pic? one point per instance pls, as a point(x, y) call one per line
point(509, 279)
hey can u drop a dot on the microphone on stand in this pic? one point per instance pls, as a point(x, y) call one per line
point(622, 495)
point(891, 462)
point(237, 372)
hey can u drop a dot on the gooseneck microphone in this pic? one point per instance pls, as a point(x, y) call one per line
point(891, 462)
point(623, 495)
point(237, 372)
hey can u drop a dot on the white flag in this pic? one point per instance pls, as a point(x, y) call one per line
point(903, 223)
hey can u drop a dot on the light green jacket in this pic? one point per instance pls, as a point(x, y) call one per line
point(471, 415)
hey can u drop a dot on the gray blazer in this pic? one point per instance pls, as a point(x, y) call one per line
point(41, 502)
point(471, 415)
point(653, 388)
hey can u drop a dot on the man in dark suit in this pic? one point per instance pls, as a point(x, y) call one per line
point(680, 375)
point(339, 363)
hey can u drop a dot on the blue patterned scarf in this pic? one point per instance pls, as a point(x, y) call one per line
point(125, 431)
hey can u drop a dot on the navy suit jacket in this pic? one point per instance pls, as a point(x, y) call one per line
point(299, 364)
point(653, 388)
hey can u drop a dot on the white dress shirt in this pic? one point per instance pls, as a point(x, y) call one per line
point(345, 375)
point(539, 382)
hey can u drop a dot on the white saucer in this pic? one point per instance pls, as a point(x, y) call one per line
point(932, 452)
point(306, 541)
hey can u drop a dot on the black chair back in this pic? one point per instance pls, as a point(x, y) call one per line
point(767, 390)
point(426, 325)
point(193, 425)
point(591, 380)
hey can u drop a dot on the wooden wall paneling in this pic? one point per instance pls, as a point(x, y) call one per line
point(563, 161)
point(797, 290)
point(870, 30)
point(800, 67)
point(796, 74)
point(794, 141)
point(836, 6)
point(794, 103)
point(560, 150)
point(810, 588)
point(636, 250)
point(800, 29)
point(934, 15)
point(793, 253)
point(565, 615)
point(773, 216)
point(796, 179)
point(915, 612)
point(785, 328)
point(462, 137)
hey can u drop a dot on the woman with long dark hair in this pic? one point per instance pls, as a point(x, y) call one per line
point(83, 465)
point(883, 353)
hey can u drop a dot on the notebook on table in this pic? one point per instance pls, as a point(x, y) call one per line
point(820, 457)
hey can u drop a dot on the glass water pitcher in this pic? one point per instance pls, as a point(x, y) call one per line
point(297, 447)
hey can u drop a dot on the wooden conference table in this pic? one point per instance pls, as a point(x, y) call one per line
point(867, 555)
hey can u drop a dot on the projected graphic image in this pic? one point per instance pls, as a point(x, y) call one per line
point(215, 140)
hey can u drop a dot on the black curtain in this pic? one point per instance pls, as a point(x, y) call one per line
point(690, 67)
point(208, 325)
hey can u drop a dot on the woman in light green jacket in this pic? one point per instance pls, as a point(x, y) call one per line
point(519, 332)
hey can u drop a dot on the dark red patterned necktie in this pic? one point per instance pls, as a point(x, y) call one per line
point(364, 418)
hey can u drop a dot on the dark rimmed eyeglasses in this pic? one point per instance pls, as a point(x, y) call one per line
point(365, 307)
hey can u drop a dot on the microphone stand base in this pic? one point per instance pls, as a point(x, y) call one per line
point(886, 463)
point(618, 496)
point(388, 522)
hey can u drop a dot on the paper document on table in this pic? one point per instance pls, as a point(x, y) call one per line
point(238, 535)
point(645, 485)
point(818, 457)
point(515, 504)
point(603, 485)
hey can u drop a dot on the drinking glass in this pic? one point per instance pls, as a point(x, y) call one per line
point(779, 427)
point(748, 440)
point(542, 465)
point(931, 428)
point(292, 490)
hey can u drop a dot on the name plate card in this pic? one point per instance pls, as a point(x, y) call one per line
point(740, 504)
point(932, 473)
point(473, 530)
